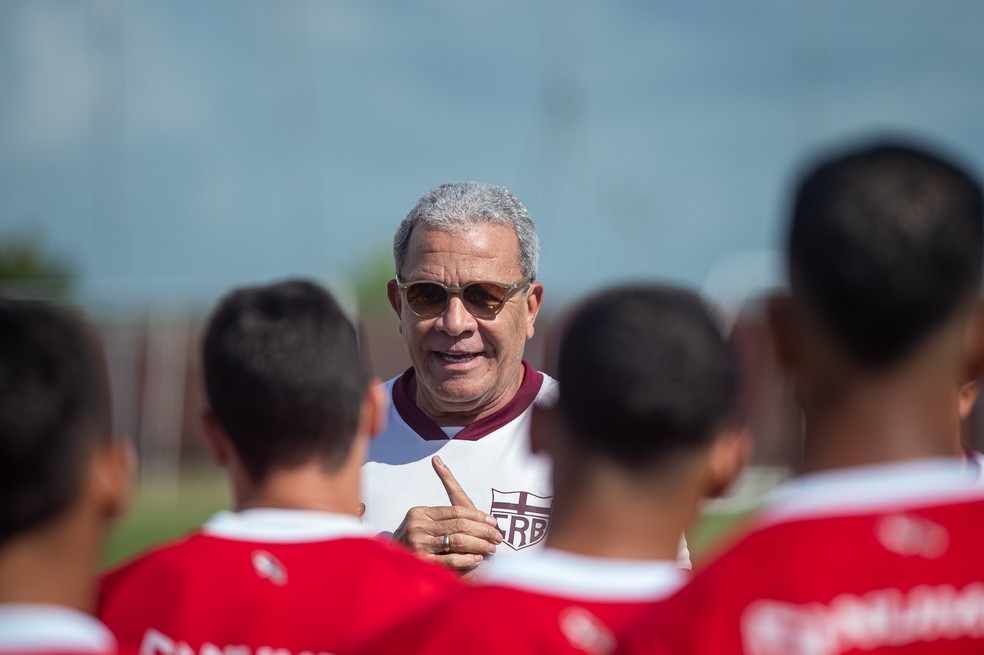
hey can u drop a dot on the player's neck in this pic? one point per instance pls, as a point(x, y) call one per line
point(306, 487)
point(605, 515)
point(883, 421)
point(53, 565)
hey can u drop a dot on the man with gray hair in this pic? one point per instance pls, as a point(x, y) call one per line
point(467, 297)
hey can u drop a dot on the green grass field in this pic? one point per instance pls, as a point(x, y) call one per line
point(158, 515)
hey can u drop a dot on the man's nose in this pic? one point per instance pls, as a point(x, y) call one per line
point(455, 320)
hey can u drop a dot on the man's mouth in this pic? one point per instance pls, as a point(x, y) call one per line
point(457, 358)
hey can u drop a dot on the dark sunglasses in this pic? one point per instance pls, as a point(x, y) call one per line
point(485, 300)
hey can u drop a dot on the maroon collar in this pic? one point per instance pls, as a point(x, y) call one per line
point(424, 426)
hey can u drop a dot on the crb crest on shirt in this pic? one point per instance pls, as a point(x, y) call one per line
point(522, 517)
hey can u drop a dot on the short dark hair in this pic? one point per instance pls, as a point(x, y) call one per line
point(644, 372)
point(885, 243)
point(54, 409)
point(284, 376)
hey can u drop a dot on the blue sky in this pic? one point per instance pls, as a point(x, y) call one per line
point(175, 149)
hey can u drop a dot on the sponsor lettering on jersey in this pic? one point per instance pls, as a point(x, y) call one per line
point(885, 617)
point(522, 517)
point(157, 643)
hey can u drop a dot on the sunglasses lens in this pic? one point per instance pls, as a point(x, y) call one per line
point(484, 299)
point(426, 299)
point(481, 299)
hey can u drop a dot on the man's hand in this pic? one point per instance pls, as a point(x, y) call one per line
point(471, 534)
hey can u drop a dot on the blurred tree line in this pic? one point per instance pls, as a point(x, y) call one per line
point(370, 278)
point(29, 268)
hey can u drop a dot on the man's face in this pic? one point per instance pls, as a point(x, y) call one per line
point(466, 364)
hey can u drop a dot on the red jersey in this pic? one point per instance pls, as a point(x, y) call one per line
point(550, 602)
point(874, 560)
point(267, 582)
point(31, 629)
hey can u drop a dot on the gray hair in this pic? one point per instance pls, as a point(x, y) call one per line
point(451, 207)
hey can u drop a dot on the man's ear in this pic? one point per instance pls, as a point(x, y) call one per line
point(215, 438)
point(967, 398)
point(534, 299)
point(393, 293)
point(726, 459)
point(112, 469)
point(780, 315)
point(372, 418)
point(543, 425)
point(974, 343)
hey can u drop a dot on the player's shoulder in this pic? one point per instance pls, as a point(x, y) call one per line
point(392, 561)
point(758, 554)
point(670, 625)
point(179, 549)
point(161, 561)
point(533, 623)
point(648, 637)
point(489, 601)
point(787, 542)
point(754, 559)
point(459, 621)
point(548, 388)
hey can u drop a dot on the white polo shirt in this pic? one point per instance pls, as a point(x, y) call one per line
point(491, 459)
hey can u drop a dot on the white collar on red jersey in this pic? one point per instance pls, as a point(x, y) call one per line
point(284, 525)
point(886, 487)
point(975, 462)
point(556, 572)
point(26, 628)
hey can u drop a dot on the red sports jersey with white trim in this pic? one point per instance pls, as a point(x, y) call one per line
point(875, 560)
point(552, 602)
point(33, 629)
point(267, 582)
point(975, 461)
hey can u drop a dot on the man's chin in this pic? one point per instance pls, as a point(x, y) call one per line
point(457, 390)
point(460, 392)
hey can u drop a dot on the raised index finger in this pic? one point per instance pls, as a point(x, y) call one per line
point(456, 494)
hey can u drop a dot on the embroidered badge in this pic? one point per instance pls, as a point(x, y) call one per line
point(522, 517)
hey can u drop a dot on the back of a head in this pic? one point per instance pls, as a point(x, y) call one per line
point(458, 205)
point(885, 244)
point(54, 408)
point(644, 374)
point(284, 376)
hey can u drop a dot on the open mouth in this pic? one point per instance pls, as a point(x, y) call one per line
point(457, 358)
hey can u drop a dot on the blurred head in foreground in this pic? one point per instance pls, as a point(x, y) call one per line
point(644, 415)
point(884, 261)
point(289, 396)
point(62, 475)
